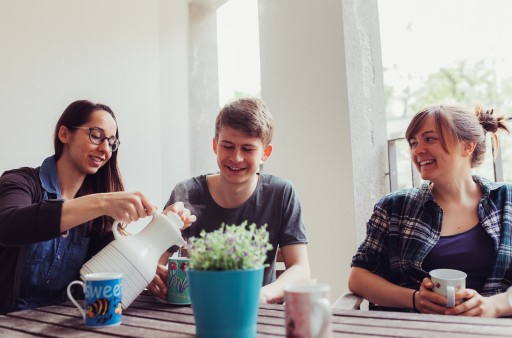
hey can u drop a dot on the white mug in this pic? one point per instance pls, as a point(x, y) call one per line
point(447, 282)
point(308, 311)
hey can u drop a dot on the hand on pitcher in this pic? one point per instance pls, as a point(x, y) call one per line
point(127, 207)
point(184, 213)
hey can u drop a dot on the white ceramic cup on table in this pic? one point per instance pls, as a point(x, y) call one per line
point(308, 311)
point(447, 282)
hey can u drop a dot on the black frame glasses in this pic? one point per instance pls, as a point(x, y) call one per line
point(113, 142)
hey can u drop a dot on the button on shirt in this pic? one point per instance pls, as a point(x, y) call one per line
point(406, 225)
point(50, 266)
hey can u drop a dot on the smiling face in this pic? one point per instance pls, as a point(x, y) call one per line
point(83, 155)
point(433, 161)
point(239, 155)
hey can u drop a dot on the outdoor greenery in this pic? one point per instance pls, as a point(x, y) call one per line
point(231, 247)
point(463, 84)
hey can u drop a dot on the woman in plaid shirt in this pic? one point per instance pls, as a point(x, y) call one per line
point(455, 220)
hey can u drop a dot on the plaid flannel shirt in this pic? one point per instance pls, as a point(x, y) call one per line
point(406, 225)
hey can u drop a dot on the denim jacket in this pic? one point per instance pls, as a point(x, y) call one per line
point(49, 266)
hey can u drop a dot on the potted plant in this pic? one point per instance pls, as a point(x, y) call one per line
point(225, 275)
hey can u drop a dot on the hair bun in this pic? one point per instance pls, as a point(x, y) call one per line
point(487, 119)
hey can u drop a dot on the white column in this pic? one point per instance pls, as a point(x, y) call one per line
point(204, 83)
point(174, 98)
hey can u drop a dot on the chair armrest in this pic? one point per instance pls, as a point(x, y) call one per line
point(348, 301)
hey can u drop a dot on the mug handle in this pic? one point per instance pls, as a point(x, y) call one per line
point(325, 311)
point(450, 296)
point(70, 296)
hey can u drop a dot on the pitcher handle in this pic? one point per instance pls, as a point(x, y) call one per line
point(115, 230)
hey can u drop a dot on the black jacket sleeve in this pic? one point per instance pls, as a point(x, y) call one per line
point(24, 217)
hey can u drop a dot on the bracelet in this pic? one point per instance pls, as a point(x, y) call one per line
point(414, 300)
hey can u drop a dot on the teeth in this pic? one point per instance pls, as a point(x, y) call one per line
point(96, 158)
point(235, 169)
point(426, 162)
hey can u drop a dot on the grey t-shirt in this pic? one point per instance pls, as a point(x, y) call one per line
point(274, 202)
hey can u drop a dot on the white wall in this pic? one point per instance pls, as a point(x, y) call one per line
point(55, 52)
point(303, 82)
point(174, 98)
point(322, 80)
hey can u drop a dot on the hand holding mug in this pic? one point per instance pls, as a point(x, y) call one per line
point(447, 282)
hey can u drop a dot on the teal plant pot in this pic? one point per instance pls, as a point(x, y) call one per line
point(225, 303)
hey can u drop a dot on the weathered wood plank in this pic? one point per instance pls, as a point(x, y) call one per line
point(495, 322)
point(160, 322)
point(9, 332)
point(372, 325)
point(151, 317)
point(26, 324)
point(348, 301)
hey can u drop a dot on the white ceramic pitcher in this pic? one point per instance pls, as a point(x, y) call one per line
point(136, 256)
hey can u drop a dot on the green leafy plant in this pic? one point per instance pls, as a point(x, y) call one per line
point(231, 247)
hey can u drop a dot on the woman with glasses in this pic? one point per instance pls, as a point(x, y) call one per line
point(53, 218)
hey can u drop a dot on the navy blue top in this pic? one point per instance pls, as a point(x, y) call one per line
point(471, 251)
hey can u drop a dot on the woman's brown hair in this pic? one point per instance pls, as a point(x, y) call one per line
point(108, 177)
point(459, 124)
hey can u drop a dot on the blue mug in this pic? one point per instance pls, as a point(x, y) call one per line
point(103, 294)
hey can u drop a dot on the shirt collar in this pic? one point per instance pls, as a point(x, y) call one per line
point(48, 177)
point(486, 186)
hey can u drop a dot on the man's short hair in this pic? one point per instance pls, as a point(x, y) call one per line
point(249, 115)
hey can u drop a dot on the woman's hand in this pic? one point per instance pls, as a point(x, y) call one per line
point(127, 207)
point(468, 302)
point(184, 213)
point(427, 301)
point(474, 305)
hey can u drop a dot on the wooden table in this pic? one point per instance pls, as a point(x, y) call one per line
point(150, 317)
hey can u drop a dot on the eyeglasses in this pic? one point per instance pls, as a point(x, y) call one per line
point(97, 136)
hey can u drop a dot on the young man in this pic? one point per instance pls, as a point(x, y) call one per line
point(238, 192)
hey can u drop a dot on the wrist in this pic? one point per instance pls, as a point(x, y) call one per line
point(501, 304)
point(101, 202)
point(414, 301)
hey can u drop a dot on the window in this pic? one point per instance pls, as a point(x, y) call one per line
point(445, 51)
point(238, 50)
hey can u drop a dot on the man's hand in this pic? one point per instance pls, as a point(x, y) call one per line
point(184, 213)
point(158, 286)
